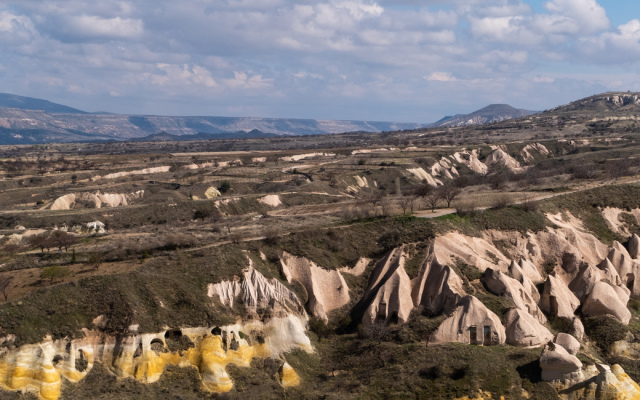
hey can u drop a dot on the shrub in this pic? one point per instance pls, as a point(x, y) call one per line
point(55, 272)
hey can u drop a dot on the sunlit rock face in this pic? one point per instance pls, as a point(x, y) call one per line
point(40, 368)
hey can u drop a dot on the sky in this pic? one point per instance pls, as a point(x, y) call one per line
point(382, 60)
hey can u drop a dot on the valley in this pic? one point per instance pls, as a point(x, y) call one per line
point(468, 262)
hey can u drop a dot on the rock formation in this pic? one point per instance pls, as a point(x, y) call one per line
point(97, 200)
point(146, 171)
point(470, 323)
point(212, 192)
point(326, 289)
point(527, 152)
point(604, 300)
point(500, 284)
point(523, 329)
point(388, 294)
point(558, 365)
point(634, 247)
point(470, 159)
point(358, 269)
point(570, 344)
point(437, 288)
point(557, 299)
point(40, 368)
point(272, 200)
point(423, 175)
point(256, 292)
point(500, 157)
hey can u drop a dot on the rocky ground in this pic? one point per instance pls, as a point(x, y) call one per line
point(179, 270)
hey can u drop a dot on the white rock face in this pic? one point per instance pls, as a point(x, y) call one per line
point(470, 159)
point(212, 192)
point(634, 247)
point(423, 175)
point(299, 157)
point(326, 289)
point(522, 329)
point(502, 285)
point(557, 299)
point(98, 199)
point(558, 365)
point(518, 274)
point(528, 152)
point(41, 368)
point(604, 300)
point(359, 268)
point(272, 200)
point(474, 251)
point(256, 292)
point(500, 157)
point(389, 290)
point(570, 344)
point(470, 323)
point(437, 288)
point(95, 227)
point(154, 170)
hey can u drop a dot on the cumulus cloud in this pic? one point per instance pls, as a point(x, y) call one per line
point(369, 59)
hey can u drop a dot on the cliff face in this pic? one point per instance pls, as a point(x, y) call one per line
point(41, 368)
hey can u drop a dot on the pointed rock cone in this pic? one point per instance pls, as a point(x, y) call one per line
point(287, 376)
point(557, 299)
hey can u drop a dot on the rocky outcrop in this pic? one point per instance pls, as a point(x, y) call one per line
point(500, 284)
point(212, 192)
point(272, 200)
point(604, 300)
point(437, 288)
point(357, 269)
point(519, 274)
point(470, 159)
point(477, 252)
point(256, 291)
point(444, 169)
point(388, 294)
point(557, 299)
point(500, 157)
point(523, 329)
point(558, 365)
point(287, 376)
point(41, 368)
point(95, 200)
point(634, 246)
point(146, 171)
point(470, 323)
point(326, 290)
point(570, 344)
point(528, 152)
point(423, 175)
point(602, 383)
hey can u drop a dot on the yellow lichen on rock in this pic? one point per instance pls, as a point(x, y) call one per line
point(287, 376)
point(39, 368)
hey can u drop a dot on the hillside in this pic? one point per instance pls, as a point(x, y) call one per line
point(29, 103)
point(27, 121)
point(487, 115)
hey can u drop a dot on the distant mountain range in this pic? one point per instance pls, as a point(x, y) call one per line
point(487, 115)
point(27, 120)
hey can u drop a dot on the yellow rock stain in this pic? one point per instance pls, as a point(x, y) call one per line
point(32, 367)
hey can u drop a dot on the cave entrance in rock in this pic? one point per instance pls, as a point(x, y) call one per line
point(630, 281)
point(473, 335)
point(487, 336)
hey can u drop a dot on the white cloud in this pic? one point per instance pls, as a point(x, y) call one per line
point(95, 26)
point(441, 77)
point(590, 16)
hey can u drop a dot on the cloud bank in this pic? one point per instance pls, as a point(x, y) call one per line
point(341, 59)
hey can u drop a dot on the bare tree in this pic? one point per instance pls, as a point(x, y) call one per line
point(407, 203)
point(448, 193)
point(432, 201)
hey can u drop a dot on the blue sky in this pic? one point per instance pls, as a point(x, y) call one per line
point(406, 60)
